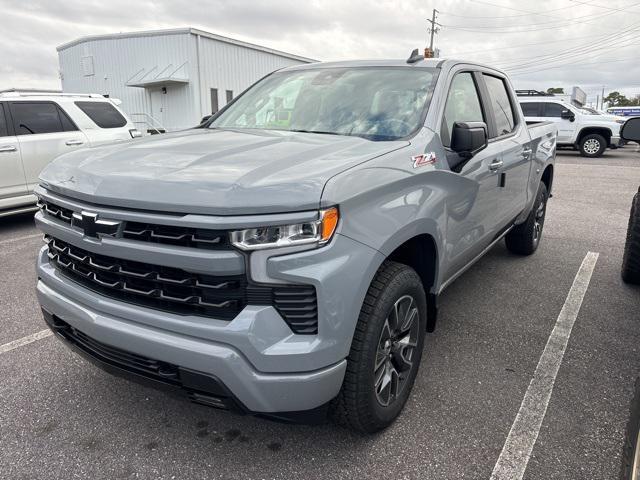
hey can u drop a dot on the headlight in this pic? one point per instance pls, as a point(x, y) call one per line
point(317, 232)
point(621, 122)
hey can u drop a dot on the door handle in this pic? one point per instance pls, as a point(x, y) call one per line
point(73, 143)
point(527, 152)
point(8, 148)
point(495, 165)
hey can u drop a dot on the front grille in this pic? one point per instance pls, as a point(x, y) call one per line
point(153, 233)
point(165, 288)
point(181, 292)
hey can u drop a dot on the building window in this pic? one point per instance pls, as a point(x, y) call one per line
point(229, 95)
point(214, 100)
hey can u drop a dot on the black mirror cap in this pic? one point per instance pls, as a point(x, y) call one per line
point(630, 131)
point(204, 119)
point(567, 115)
point(468, 138)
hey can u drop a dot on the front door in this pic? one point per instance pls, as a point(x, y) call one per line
point(12, 181)
point(157, 109)
point(471, 214)
point(566, 128)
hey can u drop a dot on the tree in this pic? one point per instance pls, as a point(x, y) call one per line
point(559, 90)
point(616, 99)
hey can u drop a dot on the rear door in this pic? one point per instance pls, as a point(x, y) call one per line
point(532, 111)
point(12, 180)
point(566, 128)
point(44, 132)
point(103, 122)
point(508, 133)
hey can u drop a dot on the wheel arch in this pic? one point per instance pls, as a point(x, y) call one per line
point(604, 131)
point(547, 178)
point(420, 252)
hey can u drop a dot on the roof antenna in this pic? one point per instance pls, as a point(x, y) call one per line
point(415, 57)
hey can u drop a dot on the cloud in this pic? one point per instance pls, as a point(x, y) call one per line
point(571, 43)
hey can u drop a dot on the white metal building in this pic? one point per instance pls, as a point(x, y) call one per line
point(167, 78)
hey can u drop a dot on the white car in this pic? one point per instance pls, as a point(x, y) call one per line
point(591, 134)
point(36, 127)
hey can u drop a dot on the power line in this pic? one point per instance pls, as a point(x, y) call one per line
point(586, 49)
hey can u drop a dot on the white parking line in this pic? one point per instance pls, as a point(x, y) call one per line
point(518, 446)
point(17, 239)
point(34, 337)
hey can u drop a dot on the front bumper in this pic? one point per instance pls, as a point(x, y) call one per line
point(254, 391)
point(616, 142)
point(256, 357)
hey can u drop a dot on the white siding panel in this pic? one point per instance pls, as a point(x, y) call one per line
point(116, 61)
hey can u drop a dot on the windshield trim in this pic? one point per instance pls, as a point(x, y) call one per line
point(422, 118)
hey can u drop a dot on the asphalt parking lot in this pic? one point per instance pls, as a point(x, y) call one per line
point(60, 417)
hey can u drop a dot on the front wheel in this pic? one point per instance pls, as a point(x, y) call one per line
point(524, 239)
point(592, 145)
point(385, 351)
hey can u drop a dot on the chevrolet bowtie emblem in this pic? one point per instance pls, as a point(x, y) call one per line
point(88, 221)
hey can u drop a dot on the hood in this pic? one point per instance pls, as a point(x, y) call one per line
point(217, 172)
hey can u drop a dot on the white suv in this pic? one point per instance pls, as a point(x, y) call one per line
point(36, 127)
point(591, 134)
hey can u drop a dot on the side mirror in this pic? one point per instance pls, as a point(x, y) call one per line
point(204, 119)
point(631, 130)
point(568, 115)
point(468, 138)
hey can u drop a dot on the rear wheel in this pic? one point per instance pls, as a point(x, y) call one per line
point(592, 145)
point(631, 258)
point(524, 239)
point(385, 352)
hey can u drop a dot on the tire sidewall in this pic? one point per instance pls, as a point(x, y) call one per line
point(403, 284)
point(593, 136)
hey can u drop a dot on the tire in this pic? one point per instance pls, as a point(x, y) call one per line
point(630, 452)
point(592, 145)
point(524, 239)
point(362, 405)
point(631, 257)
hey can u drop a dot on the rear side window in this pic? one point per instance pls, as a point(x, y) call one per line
point(531, 109)
point(103, 114)
point(501, 105)
point(3, 123)
point(553, 109)
point(31, 118)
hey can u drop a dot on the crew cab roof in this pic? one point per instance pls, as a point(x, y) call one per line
point(425, 63)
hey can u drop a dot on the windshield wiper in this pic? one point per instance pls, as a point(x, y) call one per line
point(317, 131)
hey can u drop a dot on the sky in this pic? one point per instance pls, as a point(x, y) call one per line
point(547, 43)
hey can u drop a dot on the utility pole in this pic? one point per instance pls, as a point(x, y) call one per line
point(433, 29)
point(602, 99)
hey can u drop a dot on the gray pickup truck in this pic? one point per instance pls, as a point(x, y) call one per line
point(285, 258)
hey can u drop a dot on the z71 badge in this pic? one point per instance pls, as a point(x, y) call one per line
point(423, 159)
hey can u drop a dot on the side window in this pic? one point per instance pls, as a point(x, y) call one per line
point(39, 117)
point(553, 109)
point(500, 104)
point(463, 105)
point(3, 123)
point(103, 114)
point(531, 109)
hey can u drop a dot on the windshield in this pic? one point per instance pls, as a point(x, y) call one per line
point(376, 103)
